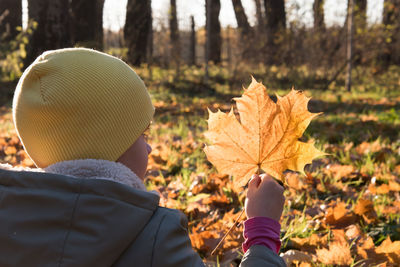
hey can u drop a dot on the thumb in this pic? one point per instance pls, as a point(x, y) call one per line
point(254, 182)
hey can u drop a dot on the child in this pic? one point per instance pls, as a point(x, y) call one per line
point(80, 115)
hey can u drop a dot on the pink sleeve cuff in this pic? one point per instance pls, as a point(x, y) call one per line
point(262, 231)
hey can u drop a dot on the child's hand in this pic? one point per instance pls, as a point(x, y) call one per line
point(264, 198)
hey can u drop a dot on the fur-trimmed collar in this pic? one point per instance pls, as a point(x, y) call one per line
point(92, 169)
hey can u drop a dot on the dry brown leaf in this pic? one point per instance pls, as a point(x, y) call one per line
point(366, 253)
point(309, 244)
point(292, 256)
point(338, 251)
point(339, 215)
point(365, 209)
point(397, 169)
point(353, 231)
point(293, 181)
point(365, 147)
point(266, 137)
point(382, 189)
point(388, 246)
point(370, 117)
point(10, 150)
point(339, 171)
point(204, 241)
point(394, 186)
point(390, 249)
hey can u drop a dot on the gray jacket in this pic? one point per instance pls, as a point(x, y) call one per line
point(49, 219)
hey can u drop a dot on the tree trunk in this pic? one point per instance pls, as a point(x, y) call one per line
point(391, 21)
point(350, 15)
point(319, 17)
point(360, 26)
point(150, 48)
point(192, 60)
point(360, 14)
point(87, 23)
point(241, 18)
point(391, 12)
point(52, 31)
point(214, 30)
point(276, 24)
point(136, 30)
point(10, 19)
point(259, 15)
point(174, 36)
point(319, 37)
point(276, 15)
point(246, 32)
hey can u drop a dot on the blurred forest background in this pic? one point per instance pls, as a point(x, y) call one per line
point(346, 210)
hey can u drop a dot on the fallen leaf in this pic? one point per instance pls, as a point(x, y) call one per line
point(365, 147)
point(309, 243)
point(394, 186)
point(266, 138)
point(338, 251)
point(339, 215)
point(217, 200)
point(293, 181)
point(382, 189)
point(292, 256)
point(370, 117)
point(10, 150)
point(339, 171)
point(390, 249)
point(365, 209)
point(204, 241)
point(353, 231)
point(367, 254)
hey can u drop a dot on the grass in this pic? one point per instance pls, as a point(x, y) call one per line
point(359, 128)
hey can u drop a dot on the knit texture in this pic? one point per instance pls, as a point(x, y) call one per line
point(79, 103)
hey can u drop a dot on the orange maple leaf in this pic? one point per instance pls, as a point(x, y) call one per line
point(266, 138)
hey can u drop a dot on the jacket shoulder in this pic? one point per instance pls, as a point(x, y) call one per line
point(163, 242)
point(172, 246)
point(172, 216)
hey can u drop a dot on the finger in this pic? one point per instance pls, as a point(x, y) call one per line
point(266, 176)
point(254, 181)
point(267, 180)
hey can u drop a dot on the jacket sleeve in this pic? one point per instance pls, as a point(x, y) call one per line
point(172, 246)
point(260, 256)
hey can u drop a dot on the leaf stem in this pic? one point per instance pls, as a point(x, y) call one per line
point(236, 221)
point(235, 224)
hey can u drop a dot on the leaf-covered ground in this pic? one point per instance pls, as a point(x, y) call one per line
point(344, 212)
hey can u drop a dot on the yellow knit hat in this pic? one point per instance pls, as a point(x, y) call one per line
point(79, 103)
